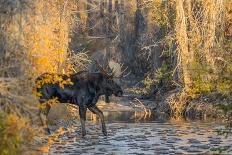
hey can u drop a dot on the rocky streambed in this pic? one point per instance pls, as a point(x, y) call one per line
point(130, 132)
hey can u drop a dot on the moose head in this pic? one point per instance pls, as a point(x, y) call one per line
point(109, 85)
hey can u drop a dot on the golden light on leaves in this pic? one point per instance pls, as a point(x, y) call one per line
point(14, 131)
point(53, 79)
point(36, 94)
point(52, 139)
point(50, 79)
point(53, 101)
point(45, 148)
point(47, 36)
point(35, 33)
point(60, 131)
point(41, 106)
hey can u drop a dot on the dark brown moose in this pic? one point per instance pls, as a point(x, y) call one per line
point(84, 90)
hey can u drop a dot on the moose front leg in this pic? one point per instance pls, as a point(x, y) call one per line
point(94, 109)
point(107, 98)
point(82, 113)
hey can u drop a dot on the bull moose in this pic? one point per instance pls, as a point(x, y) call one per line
point(83, 89)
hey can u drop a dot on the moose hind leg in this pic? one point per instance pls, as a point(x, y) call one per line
point(82, 113)
point(43, 113)
point(97, 111)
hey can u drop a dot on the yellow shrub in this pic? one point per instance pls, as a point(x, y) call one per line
point(15, 134)
point(224, 86)
point(47, 35)
point(148, 82)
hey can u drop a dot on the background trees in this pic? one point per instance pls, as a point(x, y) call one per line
point(183, 43)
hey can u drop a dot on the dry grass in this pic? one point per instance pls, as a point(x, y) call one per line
point(16, 98)
point(146, 111)
point(77, 61)
point(177, 103)
point(34, 38)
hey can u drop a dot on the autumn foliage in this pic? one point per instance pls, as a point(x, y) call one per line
point(182, 44)
point(34, 39)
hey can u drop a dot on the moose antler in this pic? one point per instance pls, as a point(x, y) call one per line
point(123, 72)
point(117, 69)
point(102, 70)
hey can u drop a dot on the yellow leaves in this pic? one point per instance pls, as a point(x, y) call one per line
point(60, 141)
point(65, 82)
point(11, 118)
point(60, 51)
point(70, 69)
point(47, 43)
point(45, 148)
point(53, 79)
point(148, 82)
point(13, 125)
point(41, 106)
point(14, 133)
point(49, 102)
point(53, 101)
point(47, 39)
point(60, 131)
point(224, 86)
point(51, 141)
point(83, 16)
point(48, 79)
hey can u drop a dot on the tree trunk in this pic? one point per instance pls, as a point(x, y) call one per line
point(110, 20)
point(110, 6)
point(211, 17)
point(182, 39)
point(102, 4)
point(121, 21)
point(139, 21)
point(90, 22)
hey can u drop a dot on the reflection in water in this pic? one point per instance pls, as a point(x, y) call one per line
point(123, 116)
point(143, 117)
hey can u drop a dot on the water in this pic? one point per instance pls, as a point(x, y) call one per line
point(134, 132)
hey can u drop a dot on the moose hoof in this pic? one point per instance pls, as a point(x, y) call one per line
point(83, 134)
point(104, 133)
point(47, 131)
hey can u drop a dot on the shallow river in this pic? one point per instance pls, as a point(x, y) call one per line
point(137, 133)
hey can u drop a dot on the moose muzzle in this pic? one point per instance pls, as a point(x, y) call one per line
point(119, 93)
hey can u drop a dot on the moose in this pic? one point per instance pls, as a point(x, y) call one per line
point(84, 90)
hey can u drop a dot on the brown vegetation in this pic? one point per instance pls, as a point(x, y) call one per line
point(175, 44)
point(34, 38)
